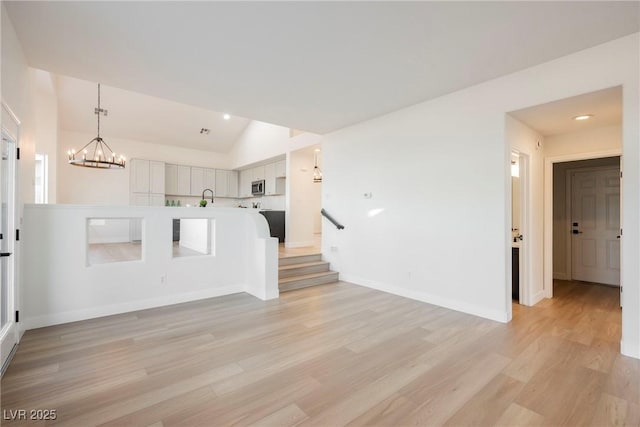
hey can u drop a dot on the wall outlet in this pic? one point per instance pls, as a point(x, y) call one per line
point(334, 248)
point(163, 279)
point(368, 195)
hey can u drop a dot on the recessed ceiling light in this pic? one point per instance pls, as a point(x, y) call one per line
point(226, 116)
point(583, 117)
point(317, 150)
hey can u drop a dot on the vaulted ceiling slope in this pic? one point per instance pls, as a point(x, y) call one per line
point(316, 66)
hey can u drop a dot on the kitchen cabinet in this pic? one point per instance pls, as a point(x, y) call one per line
point(171, 179)
point(246, 176)
point(202, 179)
point(270, 179)
point(184, 180)
point(197, 182)
point(156, 177)
point(209, 181)
point(139, 176)
point(146, 199)
point(281, 169)
point(232, 189)
point(258, 173)
point(222, 183)
point(147, 176)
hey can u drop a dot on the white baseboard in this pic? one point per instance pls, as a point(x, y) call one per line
point(536, 298)
point(463, 307)
point(298, 244)
point(109, 310)
point(630, 349)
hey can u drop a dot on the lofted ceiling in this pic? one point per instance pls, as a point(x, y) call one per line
point(315, 66)
point(555, 118)
point(141, 117)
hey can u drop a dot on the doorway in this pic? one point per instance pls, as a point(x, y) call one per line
point(519, 227)
point(586, 217)
point(8, 291)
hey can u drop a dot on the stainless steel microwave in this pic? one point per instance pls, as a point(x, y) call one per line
point(257, 188)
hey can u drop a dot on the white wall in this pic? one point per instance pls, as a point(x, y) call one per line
point(63, 288)
point(261, 141)
point(78, 185)
point(527, 141)
point(304, 198)
point(46, 125)
point(437, 227)
point(606, 138)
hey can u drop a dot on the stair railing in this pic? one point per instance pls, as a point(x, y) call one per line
point(331, 219)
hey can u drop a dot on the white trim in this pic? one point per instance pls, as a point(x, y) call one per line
point(630, 349)
point(547, 273)
point(498, 316)
point(109, 310)
point(536, 298)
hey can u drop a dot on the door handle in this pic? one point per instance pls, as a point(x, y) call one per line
point(576, 232)
point(5, 254)
point(617, 237)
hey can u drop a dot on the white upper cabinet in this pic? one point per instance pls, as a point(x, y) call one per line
point(139, 176)
point(147, 176)
point(197, 181)
point(232, 188)
point(246, 176)
point(270, 179)
point(171, 179)
point(258, 173)
point(156, 177)
point(209, 181)
point(281, 169)
point(222, 183)
point(184, 181)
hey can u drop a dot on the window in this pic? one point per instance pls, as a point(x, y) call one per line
point(41, 181)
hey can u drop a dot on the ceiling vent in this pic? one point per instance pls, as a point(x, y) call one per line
point(205, 131)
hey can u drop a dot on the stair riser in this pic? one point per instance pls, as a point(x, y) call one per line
point(300, 271)
point(302, 259)
point(304, 283)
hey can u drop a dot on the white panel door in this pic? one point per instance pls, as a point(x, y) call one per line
point(139, 176)
point(8, 296)
point(222, 183)
point(156, 177)
point(595, 212)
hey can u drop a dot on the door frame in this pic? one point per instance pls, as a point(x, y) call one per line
point(525, 228)
point(548, 209)
point(14, 133)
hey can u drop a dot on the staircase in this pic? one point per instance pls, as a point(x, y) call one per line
point(301, 271)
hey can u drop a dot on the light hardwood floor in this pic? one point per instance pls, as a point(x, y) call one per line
point(333, 355)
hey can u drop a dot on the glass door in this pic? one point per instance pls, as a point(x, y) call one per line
point(8, 329)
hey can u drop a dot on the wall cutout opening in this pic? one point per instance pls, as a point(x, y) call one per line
point(193, 237)
point(114, 240)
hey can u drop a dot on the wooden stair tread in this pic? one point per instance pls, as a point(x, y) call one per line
point(301, 265)
point(307, 276)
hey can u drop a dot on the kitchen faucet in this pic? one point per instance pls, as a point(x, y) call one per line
point(208, 189)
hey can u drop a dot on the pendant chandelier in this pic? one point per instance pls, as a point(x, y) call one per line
point(97, 153)
point(317, 173)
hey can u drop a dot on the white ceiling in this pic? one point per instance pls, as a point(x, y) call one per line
point(557, 117)
point(316, 66)
point(140, 117)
